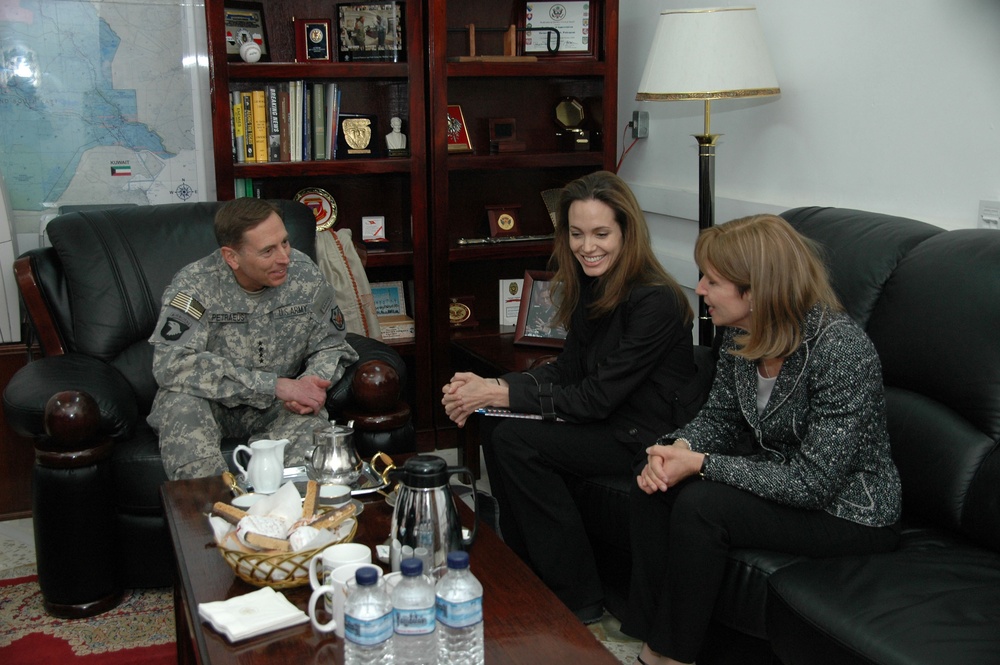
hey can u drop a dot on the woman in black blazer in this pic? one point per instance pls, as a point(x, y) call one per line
point(618, 383)
point(790, 452)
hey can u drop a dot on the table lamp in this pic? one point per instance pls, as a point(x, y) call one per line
point(706, 54)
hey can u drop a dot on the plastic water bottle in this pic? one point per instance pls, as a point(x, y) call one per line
point(459, 614)
point(414, 617)
point(368, 621)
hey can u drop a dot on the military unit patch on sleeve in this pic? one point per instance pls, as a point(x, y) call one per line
point(176, 328)
point(188, 305)
point(337, 318)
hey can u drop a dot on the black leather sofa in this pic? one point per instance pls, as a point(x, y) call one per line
point(93, 299)
point(930, 301)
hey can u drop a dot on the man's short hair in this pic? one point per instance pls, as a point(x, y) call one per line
point(238, 216)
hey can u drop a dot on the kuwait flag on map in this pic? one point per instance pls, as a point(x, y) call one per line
point(121, 169)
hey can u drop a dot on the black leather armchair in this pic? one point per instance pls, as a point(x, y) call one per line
point(93, 299)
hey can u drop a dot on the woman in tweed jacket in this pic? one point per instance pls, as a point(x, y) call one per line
point(789, 453)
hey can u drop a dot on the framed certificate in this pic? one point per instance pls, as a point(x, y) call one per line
point(565, 29)
point(244, 23)
point(312, 39)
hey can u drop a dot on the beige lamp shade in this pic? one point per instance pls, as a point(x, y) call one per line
point(703, 54)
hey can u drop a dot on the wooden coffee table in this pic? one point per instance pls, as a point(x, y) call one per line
point(524, 621)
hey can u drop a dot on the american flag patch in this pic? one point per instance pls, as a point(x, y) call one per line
point(188, 305)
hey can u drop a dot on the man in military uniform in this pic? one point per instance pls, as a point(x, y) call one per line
point(248, 341)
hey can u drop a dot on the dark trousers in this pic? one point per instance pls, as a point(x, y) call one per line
point(527, 461)
point(680, 542)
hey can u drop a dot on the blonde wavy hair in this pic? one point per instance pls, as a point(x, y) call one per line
point(780, 268)
point(635, 265)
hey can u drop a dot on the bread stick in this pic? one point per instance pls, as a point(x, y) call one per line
point(267, 542)
point(309, 502)
point(334, 518)
point(228, 512)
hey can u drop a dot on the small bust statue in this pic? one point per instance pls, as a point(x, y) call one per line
point(395, 140)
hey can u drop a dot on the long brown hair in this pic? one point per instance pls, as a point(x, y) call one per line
point(635, 265)
point(780, 268)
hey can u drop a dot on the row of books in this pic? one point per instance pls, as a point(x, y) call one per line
point(290, 121)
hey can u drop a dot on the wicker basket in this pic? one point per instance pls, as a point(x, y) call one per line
point(278, 570)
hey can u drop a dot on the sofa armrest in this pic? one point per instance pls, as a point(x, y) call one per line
point(342, 394)
point(30, 389)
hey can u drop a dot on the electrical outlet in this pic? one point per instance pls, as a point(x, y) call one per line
point(640, 124)
point(989, 215)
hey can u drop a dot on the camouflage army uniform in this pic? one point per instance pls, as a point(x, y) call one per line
point(219, 351)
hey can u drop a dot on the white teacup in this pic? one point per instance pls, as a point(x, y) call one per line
point(335, 591)
point(332, 558)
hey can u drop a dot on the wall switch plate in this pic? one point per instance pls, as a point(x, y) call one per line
point(640, 124)
point(989, 215)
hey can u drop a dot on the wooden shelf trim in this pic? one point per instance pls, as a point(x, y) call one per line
point(262, 71)
point(322, 167)
point(523, 160)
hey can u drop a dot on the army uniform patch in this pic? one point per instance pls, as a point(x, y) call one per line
point(174, 328)
point(337, 318)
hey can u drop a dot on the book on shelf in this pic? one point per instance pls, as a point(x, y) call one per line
point(306, 114)
point(273, 123)
point(284, 148)
point(251, 155)
point(318, 120)
point(239, 128)
point(259, 125)
point(332, 114)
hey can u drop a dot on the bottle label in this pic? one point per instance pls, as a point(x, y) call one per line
point(414, 622)
point(460, 615)
point(368, 632)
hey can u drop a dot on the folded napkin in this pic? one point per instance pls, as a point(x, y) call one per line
point(251, 614)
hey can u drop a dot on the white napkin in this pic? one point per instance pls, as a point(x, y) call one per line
point(251, 614)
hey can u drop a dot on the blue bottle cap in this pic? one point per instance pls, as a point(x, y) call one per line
point(366, 576)
point(411, 567)
point(458, 559)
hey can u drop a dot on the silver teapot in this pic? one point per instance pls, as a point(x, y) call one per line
point(425, 520)
point(334, 459)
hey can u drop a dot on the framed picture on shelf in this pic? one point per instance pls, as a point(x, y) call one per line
point(458, 131)
point(370, 32)
point(312, 39)
point(245, 23)
point(563, 29)
point(535, 317)
point(503, 220)
point(388, 298)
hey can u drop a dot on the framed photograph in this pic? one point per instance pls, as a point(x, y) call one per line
point(312, 39)
point(370, 32)
point(458, 131)
point(388, 298)
point(245, 23)
point(535, 326)
point(563, 29)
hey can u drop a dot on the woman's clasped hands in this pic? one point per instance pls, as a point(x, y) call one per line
point(666, 466)
point(466, 392)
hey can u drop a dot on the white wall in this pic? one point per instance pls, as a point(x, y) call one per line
point(891, 106)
